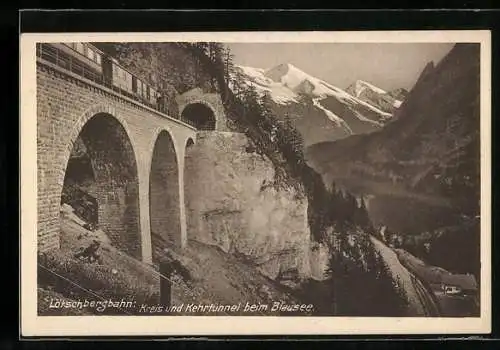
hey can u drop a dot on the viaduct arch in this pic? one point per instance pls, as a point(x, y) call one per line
point(164, 202)
point(102, 163)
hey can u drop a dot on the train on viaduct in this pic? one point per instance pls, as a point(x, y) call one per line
point(136, 148)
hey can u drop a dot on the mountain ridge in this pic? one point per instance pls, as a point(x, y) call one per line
point(432, 146)
point(374, 95)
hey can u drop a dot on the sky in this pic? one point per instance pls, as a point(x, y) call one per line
point(386, 65)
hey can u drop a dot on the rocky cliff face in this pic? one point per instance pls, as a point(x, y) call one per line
point(231, 203)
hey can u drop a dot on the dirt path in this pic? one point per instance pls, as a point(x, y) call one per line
point(419, 302)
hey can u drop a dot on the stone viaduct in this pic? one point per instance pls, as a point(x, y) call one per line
point(137, 156)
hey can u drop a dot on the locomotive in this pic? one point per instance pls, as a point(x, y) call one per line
point(88, 61)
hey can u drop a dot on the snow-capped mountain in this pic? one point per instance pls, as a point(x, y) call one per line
point(399, 94)
point(374, 95)
point(319, 110)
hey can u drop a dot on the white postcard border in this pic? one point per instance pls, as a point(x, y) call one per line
point(34, 325)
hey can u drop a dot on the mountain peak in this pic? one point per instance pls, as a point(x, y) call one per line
point(327, 112)
point(284, 65)
point(283, 72)
point(428, 69)
point(288, 65)
point(374, 95)
point(360, 85)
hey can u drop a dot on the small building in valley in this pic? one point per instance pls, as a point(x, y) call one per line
point(464, 284)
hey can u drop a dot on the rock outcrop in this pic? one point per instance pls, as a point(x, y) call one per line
point(231, 203)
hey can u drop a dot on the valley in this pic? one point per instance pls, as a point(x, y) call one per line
point(420, 173)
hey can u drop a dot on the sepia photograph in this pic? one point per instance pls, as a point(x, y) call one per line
point(234, 177)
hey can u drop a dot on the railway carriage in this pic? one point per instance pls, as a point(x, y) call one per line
point(88, 61)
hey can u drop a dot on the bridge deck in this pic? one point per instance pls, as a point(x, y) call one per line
point(110, 90)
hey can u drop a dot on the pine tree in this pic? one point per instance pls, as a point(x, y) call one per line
point(361, 217)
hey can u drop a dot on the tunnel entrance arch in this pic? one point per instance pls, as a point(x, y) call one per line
point(199, 115)
point(164, 201)
point(101, 182)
